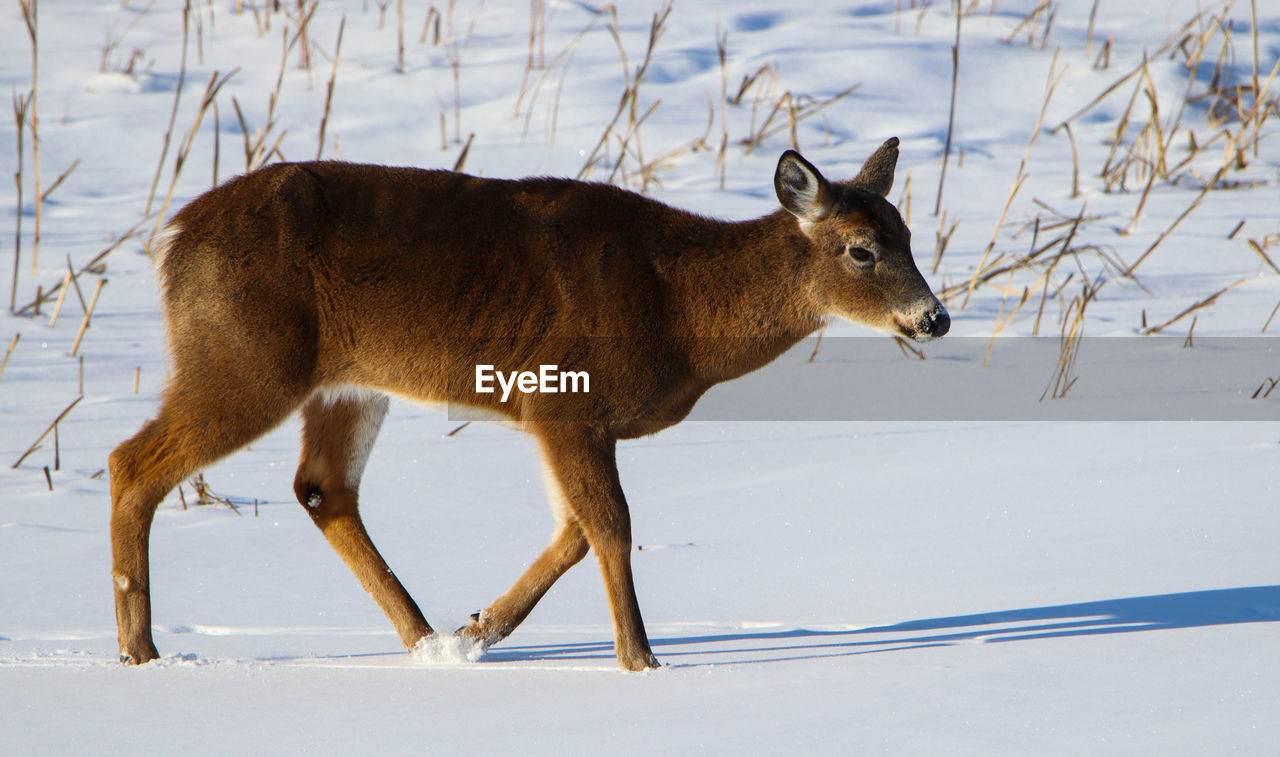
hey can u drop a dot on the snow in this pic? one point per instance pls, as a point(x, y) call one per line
point(987, 574)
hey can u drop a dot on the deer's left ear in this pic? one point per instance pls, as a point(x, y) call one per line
point(877, 173)
point(803, 191)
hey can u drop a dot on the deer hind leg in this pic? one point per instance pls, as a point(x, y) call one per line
point(193, 429)
point(338, 431)
point(568, 546)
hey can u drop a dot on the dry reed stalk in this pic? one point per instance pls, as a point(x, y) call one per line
point(462, 156)
point(722, 53)
point(180, 159)
point(749, 81)
point(1103, 61)
point(1002, 320)
point(1197, 305)
point(951, 117)
point(1075, 159)
point(432, 23)
point(904, 200)
point(1030, 22)
point(1088, 39)
point(30, 16)
point(57, 308)
point(566, 54)
point(1120, 82)
point(1268, 384)
point(627, 103)
point(818, 343)
point(1128, 272)
point(217, 143)
point(84, 323)
point(454, 49)
point(399, 36)
point(173, 112)
point(205, 495)
point(909, 350)
point(1051, 84)
point(328, 95)
point(94, 265)
point(806, 107)
point(14, 343)
point(1274, 310)
point(537, 31)
point(942, 239)
point(1062, 243)
point(50, 427)
point(1063, 376)
point(1043, 282)
point(256, 152)
point(1262, 253)
point(1117, 137)
point(21, 106)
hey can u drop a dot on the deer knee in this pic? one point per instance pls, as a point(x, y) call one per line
point(324, 503)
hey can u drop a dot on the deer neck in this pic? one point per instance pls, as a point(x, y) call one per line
point(738, 298)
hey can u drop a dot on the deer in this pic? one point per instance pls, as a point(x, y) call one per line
point(326, 287)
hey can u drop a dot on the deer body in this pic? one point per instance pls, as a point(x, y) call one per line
point(326, 286)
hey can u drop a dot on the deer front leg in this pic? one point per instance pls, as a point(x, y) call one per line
point(583, 464)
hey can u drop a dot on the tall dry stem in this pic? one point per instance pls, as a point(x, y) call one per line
point(328, 94)
point(1051, 84)
point(951, 116)
point(21, 106)
point(215, 84)
point(173, 112)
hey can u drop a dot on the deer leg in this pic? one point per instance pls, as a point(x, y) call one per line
point(582, 462)
point(568, 546)
point(338, 431)
point(192, 430)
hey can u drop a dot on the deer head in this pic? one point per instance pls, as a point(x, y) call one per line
point(860, 249)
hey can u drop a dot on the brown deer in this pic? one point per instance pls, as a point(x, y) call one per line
point(326, 286)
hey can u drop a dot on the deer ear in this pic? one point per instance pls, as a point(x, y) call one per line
point(801, 189)
point(877, 173)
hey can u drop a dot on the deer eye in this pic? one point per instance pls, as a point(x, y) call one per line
point(861, 256)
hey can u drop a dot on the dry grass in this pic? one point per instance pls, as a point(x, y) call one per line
point(1197, 305)
point(205, 496)
point(173, 111)
point(1051, 84)
point(21, 109)
point(1073, 321)
point(951, 123)
point(628, 105)
point(13, 343)
point(328, 95)
point(30, 16)
point(48, 429)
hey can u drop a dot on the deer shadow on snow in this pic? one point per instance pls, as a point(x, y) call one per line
point(1194, 609)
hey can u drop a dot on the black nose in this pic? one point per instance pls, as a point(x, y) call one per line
point(937, 322)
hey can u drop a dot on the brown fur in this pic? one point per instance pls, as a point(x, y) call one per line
point(285, 285)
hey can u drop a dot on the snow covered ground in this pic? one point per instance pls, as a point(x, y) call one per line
point(936, 583)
